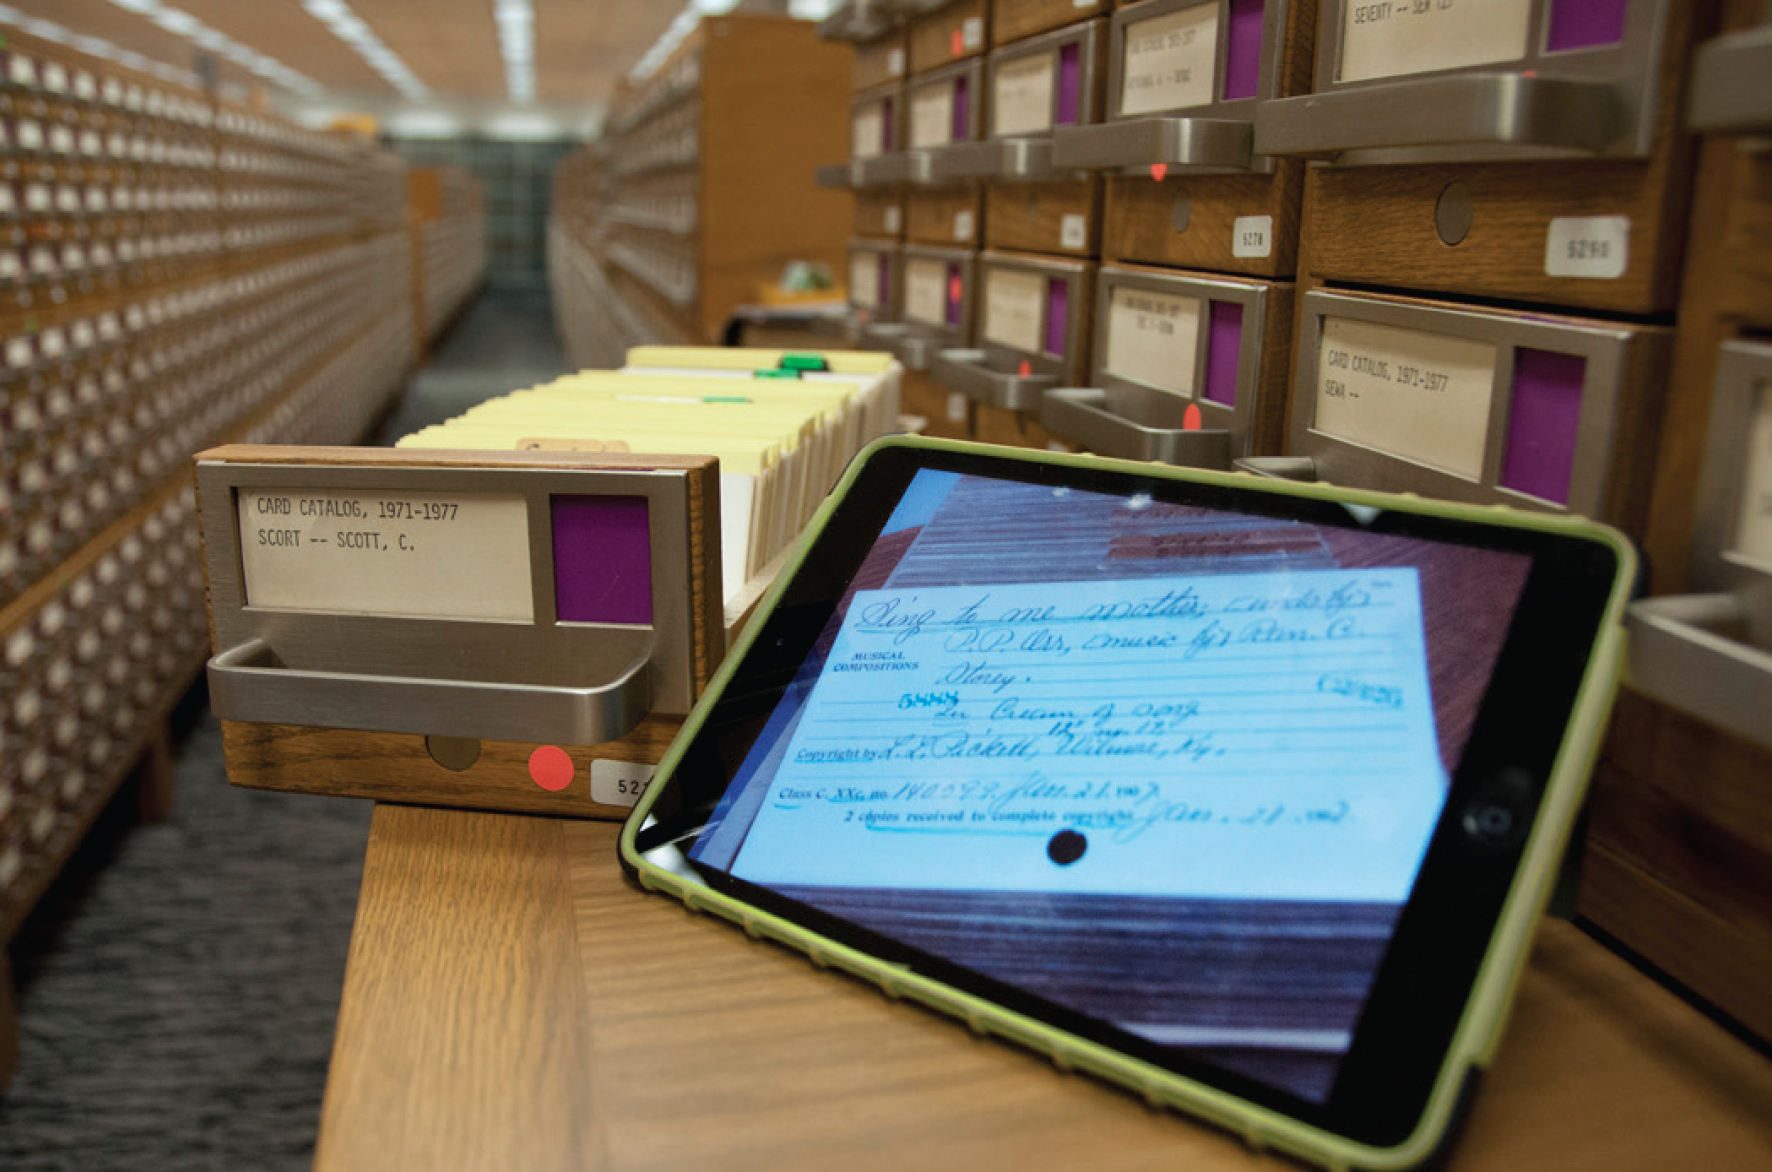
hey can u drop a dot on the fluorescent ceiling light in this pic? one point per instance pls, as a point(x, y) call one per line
point(516, 44)
point(348, 27)
point(182, 23)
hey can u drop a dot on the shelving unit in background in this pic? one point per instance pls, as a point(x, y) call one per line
point(700, 191)
point(446, 215)
point(174, 273)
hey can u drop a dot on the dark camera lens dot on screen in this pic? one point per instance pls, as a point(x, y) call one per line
point(1066, 847)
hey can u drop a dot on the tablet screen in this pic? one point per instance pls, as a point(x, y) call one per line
point(1170, 768)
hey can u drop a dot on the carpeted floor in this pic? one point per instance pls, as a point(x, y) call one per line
point(178, 986)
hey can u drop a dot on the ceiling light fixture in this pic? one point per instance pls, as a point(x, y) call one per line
point(93, 46)
point(182, 23)
point(516, 43)
point(348, 27)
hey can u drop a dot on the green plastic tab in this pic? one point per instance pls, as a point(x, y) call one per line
point(777, 373)
point(804, 362)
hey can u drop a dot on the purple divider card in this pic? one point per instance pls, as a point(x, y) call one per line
point(1058, 314)
point(888, 140)
point(885, 290)
point(962, 110)
point(602, 559)
point(1070, 84)
point(1224, 347)
point(955, 288)
point(1242, 62)
point(1543, 423)
point(1585, 24)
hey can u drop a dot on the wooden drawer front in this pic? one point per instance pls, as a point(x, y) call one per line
point(1047, 81)
point(1679, 854)
point(1732, 530)
point(879, 213)
point(1178, 348)
point(938, 292)
point(945, 107)
point(960, 30)
point(1491, 407)
point(1745, 290)
point(1011, 20)
point(1479, 82)
point(874, 279)
point(1184, 80)
point(882, 61)
point(943, 215)
point(1579, 216)
point(876, 122)
point(1243, 224)
point(1032, 329)
point(947, 414)
point(1062, 218)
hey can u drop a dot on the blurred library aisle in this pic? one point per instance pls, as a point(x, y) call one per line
point(178, 985)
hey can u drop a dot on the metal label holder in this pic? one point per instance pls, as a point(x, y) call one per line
point(1212, 138)
point(1710, 653)
point(1124, 417)
point(1007, 376)
point(1028, 157)
point(916, 341)
point(1588, 101)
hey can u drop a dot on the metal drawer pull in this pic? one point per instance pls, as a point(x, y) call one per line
point(1134, 426)
point(1689, 651)
point(965, 371)
point(1208, 144)
point(249, 683)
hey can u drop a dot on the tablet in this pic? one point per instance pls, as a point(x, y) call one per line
point(1243, 794)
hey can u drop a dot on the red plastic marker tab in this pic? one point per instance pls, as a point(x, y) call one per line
point(959, 43)
point(551, 768)
point(954, 289)
point(1158, 170)
point(1190, 419)
point(1026, 369)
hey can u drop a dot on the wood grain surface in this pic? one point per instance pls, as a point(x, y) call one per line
point(873, 61)
point(930, 215)
point(397, 767)
point(1011, 20)
point(874, 212)
point(936, 39)
point(1031, 216)
point(512, 1001)
point(923, 396)
point(1139, 223)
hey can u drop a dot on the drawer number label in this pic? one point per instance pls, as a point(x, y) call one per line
point(1252, 236)
point(1593, 247)
point(619, 783)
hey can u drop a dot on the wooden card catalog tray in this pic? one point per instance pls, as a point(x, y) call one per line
point(1486, 406)
point(937, 306)
point(503, 630)
point(1032, 329)
point(1189, 369)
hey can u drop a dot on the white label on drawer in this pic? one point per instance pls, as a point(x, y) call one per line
point(972, 32)
point(957, 404)
point(1153, 338)
point(619, 783)
point(894, 219)
point(925, 291)
point(29, 135)
point(1252, 236)
point(1753, 535)
point(963, 226)
point(1170, 61)
point(1022, 99)
point(1596, 247)
point(1422, 396)
point(868, 131)
point(895, 62)
point(1073, 231)
point(864, 279)
point(932, 115)
point(1012, 309)
point(411, 554)
point(1393, 37)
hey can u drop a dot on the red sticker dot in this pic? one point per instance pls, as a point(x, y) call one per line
point(1025, 369)
point(1190, 419)
point(551, 768)
point(1158, 170)
point(959, 43)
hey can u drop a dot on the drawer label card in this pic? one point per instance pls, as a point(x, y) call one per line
point(1012, 308)
point(895, 62)
point(620, 783)
point(972, 32)
point(864, 279)
point(1153, 338)
point(868, 131)
point(963, 226)
point(925, 291)
point(1073, 231)
point(1594, 247)
point(1390, 38)
point(1409, 393)
point(894, 219)
point(412, 554)
point(932, 116)
point(1753, 535)
point(956, 406)
point(1170, 61)
point(1022, 101)
point(1252, 236)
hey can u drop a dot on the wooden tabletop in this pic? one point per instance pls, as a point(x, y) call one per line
point(513, 1002)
